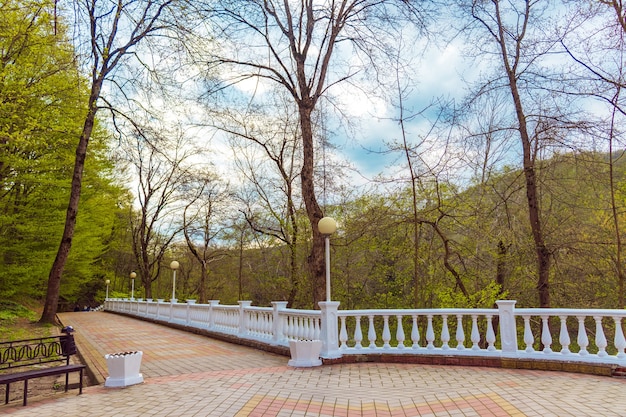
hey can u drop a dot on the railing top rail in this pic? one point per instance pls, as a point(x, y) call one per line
point(419, 312)
point(224, 307)
point(571, 312)
point(257, 308)
point(296, 312)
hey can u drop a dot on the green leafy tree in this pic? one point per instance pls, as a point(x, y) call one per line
point(115, 28)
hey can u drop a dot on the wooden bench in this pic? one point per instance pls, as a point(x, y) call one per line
point(37, 358)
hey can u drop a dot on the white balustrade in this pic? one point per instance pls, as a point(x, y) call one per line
point(548, 334)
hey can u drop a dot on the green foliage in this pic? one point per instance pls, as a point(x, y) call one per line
point(16, 322)
point(484, 298)
point(42, 103)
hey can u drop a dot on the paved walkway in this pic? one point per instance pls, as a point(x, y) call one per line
point(191, 375)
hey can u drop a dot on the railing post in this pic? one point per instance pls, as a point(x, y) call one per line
point(508, 328)
point(243, 318)
point(277, 322)
point(188, 318)
point(329, 332)
point(212, 303)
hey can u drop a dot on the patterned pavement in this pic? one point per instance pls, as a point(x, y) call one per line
point(192, 375)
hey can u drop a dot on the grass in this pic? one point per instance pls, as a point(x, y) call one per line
point(20, 322)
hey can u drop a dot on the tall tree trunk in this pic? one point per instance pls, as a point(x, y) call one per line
point(315, 260)
point(532, 195)
point(54, 278)
point(615, 210)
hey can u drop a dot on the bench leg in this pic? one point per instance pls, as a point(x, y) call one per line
point(80, 383)
point(67, 377)
point(6, 397)
point(25, 391)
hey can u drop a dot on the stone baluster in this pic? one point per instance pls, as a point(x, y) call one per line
point(430, 333)
point(386, 332)
point(601, 342)
point(491, 334)
point(286, 334)
point(445, 332)
point(343, 334)
point(400, 332)
point(307, 333)
point(371, 333)
point(475, 336)
point(267, 323)
point(358, 333)
point(564, 338)
point(289, 329)
point(529, 338)
point(299, 328)
point(415, 333)
point(460, 334)
point(546, 336)
point(317, 331)
point(620, 341)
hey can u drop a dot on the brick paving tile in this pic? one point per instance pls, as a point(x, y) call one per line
point(191, 375)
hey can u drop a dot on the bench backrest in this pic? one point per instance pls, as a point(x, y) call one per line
point(36, 351)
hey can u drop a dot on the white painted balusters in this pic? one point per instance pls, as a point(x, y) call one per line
point(358, 334)
point(491, 335)
point(601, 342)
point(415, 334)
point(583, 340)
point(620, 341)
point(343, 334)
point(445, 333)
point(371, 333)
point(400, 333)
point(529, 339)
point(564, 338)
point(546, 337)
point(460, 334)
point(475, 336)
point(386, 333)
point(430, 333)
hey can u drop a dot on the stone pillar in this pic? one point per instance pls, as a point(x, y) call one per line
point(277, 321)
point(243, 318)
point(508, 328)
point(212, 303)
point(329, 331)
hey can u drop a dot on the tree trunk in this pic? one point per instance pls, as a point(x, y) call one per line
point(203, 280)
point(532, 199)
point(315, 260)
point(54, 278)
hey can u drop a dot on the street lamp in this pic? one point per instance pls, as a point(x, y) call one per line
point(133, 275)
point(107, 282)
point(174, 266)
point(327, 226)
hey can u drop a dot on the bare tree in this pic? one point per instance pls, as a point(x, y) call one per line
point(162, 168)
point(265, 143)
point(112, 29)
point(516, 35)
point(201, 224)
point(303, 47)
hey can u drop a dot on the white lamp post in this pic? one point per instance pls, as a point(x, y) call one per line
point(107, 282)
point(174, 266)
point(327, 226)
point(133, 275)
